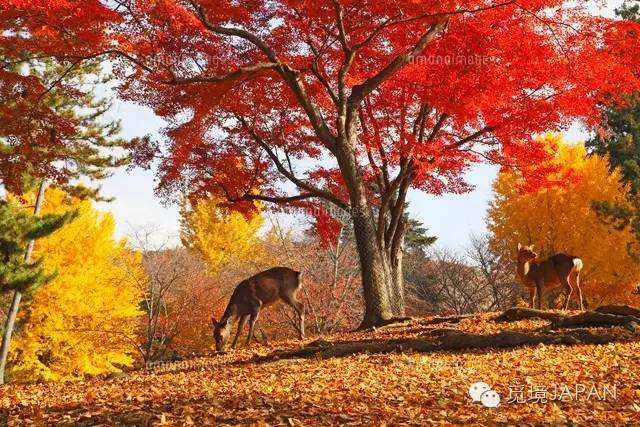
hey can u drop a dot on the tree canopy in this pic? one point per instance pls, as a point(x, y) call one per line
point(390, 95)
point(218, 235)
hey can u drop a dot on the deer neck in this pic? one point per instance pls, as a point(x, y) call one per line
point(523, 269)
point(229, 313)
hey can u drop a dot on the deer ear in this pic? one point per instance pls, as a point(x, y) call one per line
point(531, 247)
point(519, 246)
point(213, 321)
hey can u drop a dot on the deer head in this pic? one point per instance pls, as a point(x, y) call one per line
point(220, 333)
point(526, 253)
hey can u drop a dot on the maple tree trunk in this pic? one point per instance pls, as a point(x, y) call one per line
point(17, 295)
point(374, 268)
point(374, 273)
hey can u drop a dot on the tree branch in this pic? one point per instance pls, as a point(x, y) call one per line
point(241, 71)
point(359, 92)
point(471, 137)
point(273, 199)
point(289, 175)
point(289, 75)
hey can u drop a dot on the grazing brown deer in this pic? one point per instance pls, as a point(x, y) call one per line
point(253, 294)
point(558, 270)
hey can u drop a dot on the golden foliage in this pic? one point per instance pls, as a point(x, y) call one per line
point(221, 236)
point(82, 322)
point(561, 219)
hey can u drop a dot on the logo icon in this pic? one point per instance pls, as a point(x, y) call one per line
point(481, 392)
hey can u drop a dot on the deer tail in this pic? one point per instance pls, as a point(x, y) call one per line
point(578, 264)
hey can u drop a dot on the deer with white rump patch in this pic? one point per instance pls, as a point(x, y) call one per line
point(558, 270)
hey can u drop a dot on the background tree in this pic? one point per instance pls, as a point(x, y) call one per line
point(84, 321)
point(329, 262)
point(18, 229)
point(497, 272)
point(619, 139)
point(218, 234)
point(456, 285)
point(70, 138)
point(51, 121)
point(472, 280)
point(178, 300)
point(560, 219)
point(19, 272)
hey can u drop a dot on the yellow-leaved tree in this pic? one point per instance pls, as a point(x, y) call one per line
point(84, 321)
point(219, 235)
point(561, 219)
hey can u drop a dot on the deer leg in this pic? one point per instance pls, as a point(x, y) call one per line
point(567, 284)
point(241, 322)
point(539, 294)
point(532, 297)
point(253, 318)
point(577, 285)
point(299, 308)
point(265, 340)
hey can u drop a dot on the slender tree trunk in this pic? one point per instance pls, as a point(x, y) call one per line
point(396, 291)
point(17, 295)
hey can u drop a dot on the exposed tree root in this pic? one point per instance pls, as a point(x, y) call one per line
point(401, 322)
point(452, 339)
point(594, 319)
point(605, 316)
point(619, 310)
point(394, 322)
point(455, 340)
point(441, 340)
point(517, 313)
point(447, 319)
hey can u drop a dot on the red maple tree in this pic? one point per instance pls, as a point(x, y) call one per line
point(354, 102)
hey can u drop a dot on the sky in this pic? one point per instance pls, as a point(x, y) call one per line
point(452, 218)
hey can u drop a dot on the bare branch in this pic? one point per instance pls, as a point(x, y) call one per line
point(242, 71)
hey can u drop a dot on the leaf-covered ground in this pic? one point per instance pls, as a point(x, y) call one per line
point(582, 385)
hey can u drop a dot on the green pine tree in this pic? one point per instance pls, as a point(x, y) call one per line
point(88, 145)
point(417, 239)
point(621, 143)
point(17, 230)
